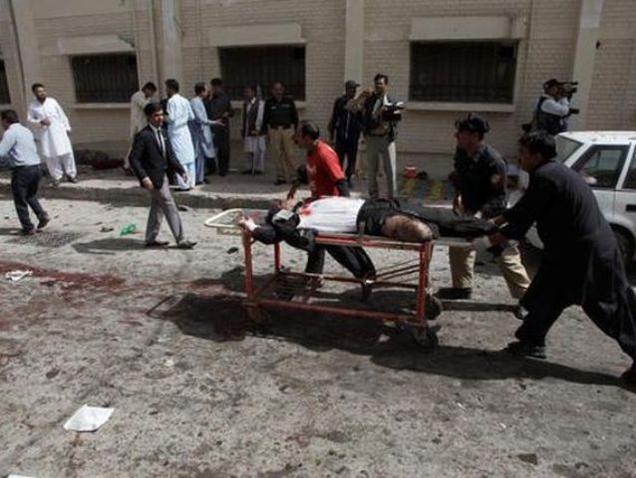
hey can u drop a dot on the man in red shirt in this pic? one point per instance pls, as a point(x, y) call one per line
point(326, 178)
point(324, 172)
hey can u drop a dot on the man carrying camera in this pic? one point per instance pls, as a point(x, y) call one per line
point(380, 115)
point(553, 107)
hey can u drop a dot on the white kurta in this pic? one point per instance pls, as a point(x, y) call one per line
point(331, 214)
point(254, 144)
point(52, 140)
point(138, 121)
point(179, 113)
point(202, 128)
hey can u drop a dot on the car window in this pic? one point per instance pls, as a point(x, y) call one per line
point(630, 179)
point(601, 166)
point(566, 147)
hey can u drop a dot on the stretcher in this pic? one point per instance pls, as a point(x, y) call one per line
point(301, 291)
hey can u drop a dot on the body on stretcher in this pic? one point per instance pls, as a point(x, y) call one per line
point(260, 298)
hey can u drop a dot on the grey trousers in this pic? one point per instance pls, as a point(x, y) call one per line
point(162, 204)
point(379, 146)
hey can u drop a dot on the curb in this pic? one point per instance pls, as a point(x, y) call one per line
point(135, 196)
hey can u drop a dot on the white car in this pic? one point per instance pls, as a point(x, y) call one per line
point(607, 161)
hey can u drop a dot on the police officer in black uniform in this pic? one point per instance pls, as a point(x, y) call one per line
point(480, 182)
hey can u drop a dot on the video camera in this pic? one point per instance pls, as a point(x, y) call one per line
point(567, 89)
point(393, 111)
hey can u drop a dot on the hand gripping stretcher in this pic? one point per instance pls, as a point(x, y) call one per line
point(300, 291)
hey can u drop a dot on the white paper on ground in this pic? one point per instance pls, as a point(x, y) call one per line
point(17, 275)
point(88, 419)
point(13, 475)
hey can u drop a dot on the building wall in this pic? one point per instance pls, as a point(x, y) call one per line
point(613, 96)
point(546, 50)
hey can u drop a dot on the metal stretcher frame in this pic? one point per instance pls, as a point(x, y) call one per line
point(256, 300)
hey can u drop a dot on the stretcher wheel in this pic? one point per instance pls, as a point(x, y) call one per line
point(425, 337)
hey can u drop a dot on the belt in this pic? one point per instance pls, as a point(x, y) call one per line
point(24, 166)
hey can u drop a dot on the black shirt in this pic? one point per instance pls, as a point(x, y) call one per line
point(217, 105)
point(481, 181)
point(344, 124)
point(279, 114)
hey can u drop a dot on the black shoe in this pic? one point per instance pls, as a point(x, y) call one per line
point(73, 180)
point(433, 307)
point(629, 376)
point(278, 182)
point(186, 244)
point(206, 181)
point(155, 244)
point(223, 174)
point(258, 173)
point(454, 293)
point(44, 220)
point(526, 349)
point(247, 171)
point(27, 232)
point(520, 312)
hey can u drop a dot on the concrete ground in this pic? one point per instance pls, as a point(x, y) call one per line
point(199, 391)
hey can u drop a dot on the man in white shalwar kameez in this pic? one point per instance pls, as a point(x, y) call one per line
point(254, 142)
point(138, 121)
point(179, 114)
point(51, 127)
point(201, 131)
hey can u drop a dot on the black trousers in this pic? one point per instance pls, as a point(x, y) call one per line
point(354, 259)
point(24, 186)
point(349, 150)
point(598, 283)
point(222, 145)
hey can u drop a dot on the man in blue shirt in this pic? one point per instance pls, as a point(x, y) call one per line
point(18, 151)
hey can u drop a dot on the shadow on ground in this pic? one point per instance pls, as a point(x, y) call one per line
point(108, 246)
point(221, 317)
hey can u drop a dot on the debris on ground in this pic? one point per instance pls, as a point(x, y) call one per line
point(88, 419)
point(529, 458)
point(128, 229)
point(182, 207)
point(17, 275)
point(107, 229)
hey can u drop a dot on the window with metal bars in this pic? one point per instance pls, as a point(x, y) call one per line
point(110, 78)
point(5, 98)
point(461, 71)
point(263, 66)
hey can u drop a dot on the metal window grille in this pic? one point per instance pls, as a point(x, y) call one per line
point(242, 66)
point(458, 71)
point(108, 78)
point(5, 98)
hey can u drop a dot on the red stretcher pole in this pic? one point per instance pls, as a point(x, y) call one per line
point(249, 272)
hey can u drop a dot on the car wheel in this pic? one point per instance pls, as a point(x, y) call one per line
point(625, 246)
